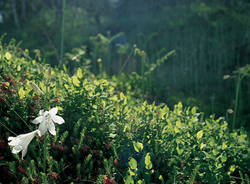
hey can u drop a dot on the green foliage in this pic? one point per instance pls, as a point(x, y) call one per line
point(109, 136)
point(210, 38)
point(240, 74)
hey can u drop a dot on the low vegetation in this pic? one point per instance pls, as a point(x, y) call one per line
point(109, 136)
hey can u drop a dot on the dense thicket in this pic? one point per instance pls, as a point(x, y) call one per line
point(108, 137)
point(210, 38)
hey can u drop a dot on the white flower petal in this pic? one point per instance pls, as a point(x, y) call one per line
point(21, 142)
point(53, 111)
point(28, 136)
point(58, 119)
point(42, 128)
point(11, 138)
point(39, 133)
point(38, 120)
point(24, 152)
point(41, 112)
point(13, 141)
point(52, 128)
point(15, 150)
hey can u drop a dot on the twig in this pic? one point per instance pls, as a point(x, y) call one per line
point(86, 181)
point(8, 128)
point(235, 177)
point(18, 115)
point(64, 169)
point(51, 44)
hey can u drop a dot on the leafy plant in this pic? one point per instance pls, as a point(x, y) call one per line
point(109, 136)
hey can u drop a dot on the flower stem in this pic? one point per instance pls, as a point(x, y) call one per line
point(44, 153)
point(18, 115)
point(7, 128)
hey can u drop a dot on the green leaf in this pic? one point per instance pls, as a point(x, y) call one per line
point(21, 93)
point(176, 130)
point(131, 173)
point(132, 163)
point(215, 152)
point(224, 158)
point(224, 146)
point(161, 178)
point(200, 134)
point(232, 168)
point(129, 180)
point(148, 162)
point(122, 96)
point(138, 146)
point(179, 124)
point(179, 151)
point(139, 182)
point(193, 110)
point(179, 106)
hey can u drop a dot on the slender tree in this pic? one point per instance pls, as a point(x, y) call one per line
point(15, 14)
point(62, 34)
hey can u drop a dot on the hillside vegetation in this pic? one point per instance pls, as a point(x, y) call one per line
point(108, 136)
point(211, 39)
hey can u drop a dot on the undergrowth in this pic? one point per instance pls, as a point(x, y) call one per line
point(108, 136)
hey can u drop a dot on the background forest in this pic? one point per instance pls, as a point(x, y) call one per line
point(194, 51)
point(125, 91)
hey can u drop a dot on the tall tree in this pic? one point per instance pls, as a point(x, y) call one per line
point(15, 14)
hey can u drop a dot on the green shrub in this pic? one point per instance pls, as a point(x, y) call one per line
point(108, 137)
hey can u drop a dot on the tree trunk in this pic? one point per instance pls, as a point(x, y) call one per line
point(14, 11)
point(24, 10)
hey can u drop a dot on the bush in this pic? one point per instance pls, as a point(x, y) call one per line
point(108, 136)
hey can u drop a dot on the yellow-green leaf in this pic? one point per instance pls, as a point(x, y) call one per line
point(179, 106)
point(193, 110)
point(161, 178)
point(139, 182)
point(224, 145)
point(202, 146)
point(215, 152)
point(59, 108)
point(79, 73)
point(8, 55)
point(18, 68)
point(138, 146)
point(129, 180)
point(176, 130)
point(42, 86)
point(148, 163)
point(21, 93)
point(179, 151)
point(76, 82)
point(200, 134)
point(232, 168)
point(122, 96)
point(132, 163)
point(179, 124)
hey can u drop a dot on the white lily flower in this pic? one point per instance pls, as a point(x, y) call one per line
point(47, 120)
point(21, 142)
